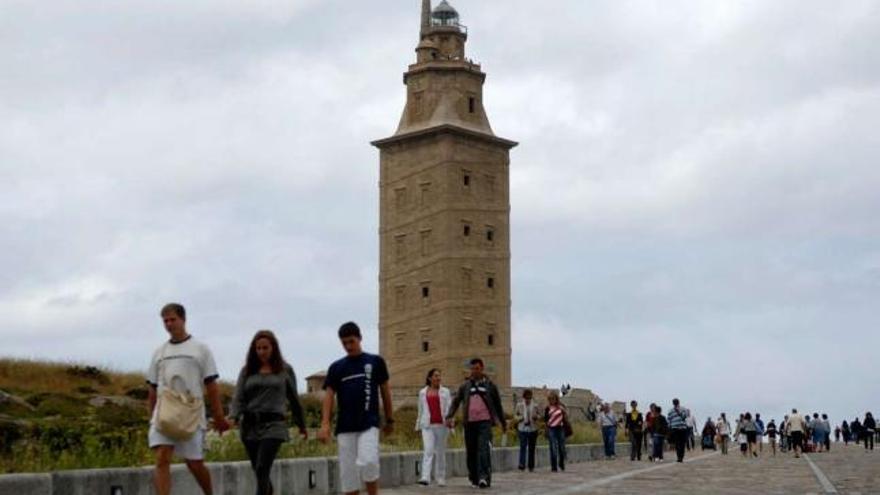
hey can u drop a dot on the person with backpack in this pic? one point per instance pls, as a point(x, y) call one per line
point(659, 430)
point(266, 385)
point(555, 419)
point(182, 372)
point(634, 427)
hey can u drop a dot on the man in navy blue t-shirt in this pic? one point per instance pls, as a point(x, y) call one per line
point(355, 382)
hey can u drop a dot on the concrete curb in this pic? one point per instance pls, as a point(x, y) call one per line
point(311, 476)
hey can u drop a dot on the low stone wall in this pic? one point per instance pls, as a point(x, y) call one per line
point(313, 476)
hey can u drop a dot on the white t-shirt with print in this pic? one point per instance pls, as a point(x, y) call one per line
point(184, 367)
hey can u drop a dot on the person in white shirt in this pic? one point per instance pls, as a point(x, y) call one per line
point(434, 401)
point(527, 416)
point(182, 365)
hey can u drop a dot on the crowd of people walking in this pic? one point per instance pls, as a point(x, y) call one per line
point(183, 379)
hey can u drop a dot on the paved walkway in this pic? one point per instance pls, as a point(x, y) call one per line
point(844, 470)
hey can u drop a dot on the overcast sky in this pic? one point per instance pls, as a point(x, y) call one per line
point(694, 201)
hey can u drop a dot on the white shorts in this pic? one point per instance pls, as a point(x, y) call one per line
point(358, 458)
point(191, 450)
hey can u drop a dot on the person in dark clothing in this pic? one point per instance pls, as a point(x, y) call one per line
point(659, 430)
point(264, 385)
point(677, 419)
point(869, 427)
point(845, 432)
point(481, 410)
point(634, 427)
point(772, 432)
point(856, 428)
point(708, 435)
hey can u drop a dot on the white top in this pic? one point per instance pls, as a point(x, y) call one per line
point(184, 367)
point(424, 418)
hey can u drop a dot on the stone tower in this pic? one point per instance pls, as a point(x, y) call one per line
point(444, 269)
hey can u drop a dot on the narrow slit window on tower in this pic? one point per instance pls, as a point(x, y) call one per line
point(426, 292)
point(490, 282)
point(467, 230)
point(472, 104)
point(490, 340)
point(466, 178)
point(426, 346)
point(490, 234)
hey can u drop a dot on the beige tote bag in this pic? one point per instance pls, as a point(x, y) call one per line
point(179, 415)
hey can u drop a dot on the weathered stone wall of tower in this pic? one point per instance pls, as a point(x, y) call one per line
point(444, 223)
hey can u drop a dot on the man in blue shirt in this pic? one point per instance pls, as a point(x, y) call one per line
point(355, 382)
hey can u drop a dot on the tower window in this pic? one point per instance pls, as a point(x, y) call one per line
point(467, 230)
point(490, 340)
point(426, 292)
point(426, 346)
point(466, 179)
point(490, 282)
point(472, 104)
point(490, 234)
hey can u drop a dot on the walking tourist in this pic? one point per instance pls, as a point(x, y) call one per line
point(608, 424)
point(723, 428)
point(826, 428)
point(434, 402)
point(750, 429)
point(649, 430)
point(784, 437)
point(265, 387)
point(527, 416)
point(795, 427)
point(481, 409)
point(856, 427)
point(182, 372)
point(772, 433)
point(634, 427)
point(845, 432)
point(659, 430)
point(760, 428)
point(555, 417)
point(870, 427)
point(677, 419)
point(708, 435)
point(817, 432)
point(354, 383)
point(692, 429)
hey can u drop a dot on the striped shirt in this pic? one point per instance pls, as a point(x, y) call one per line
point(555, 416)
point(677, 419)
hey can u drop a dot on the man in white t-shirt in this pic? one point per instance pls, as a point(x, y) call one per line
point(182, 364)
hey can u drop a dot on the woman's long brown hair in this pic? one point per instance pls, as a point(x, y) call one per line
point(276, 360)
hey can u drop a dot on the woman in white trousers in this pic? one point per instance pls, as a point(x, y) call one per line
point(434, 401)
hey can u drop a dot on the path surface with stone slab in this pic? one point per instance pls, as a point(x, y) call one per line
point(845, 470)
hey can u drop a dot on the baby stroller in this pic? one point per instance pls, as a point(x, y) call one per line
point(708, 442)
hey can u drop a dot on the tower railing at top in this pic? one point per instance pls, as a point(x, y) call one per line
point(449, 24)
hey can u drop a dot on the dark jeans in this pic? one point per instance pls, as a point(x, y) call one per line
point(609, 436)
point(869, 439)
point(556, 435)
point(679, 438)
point(635, 449)
point(477, 441)
point(262, 454)
point(527, 443)
point(657, 441)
